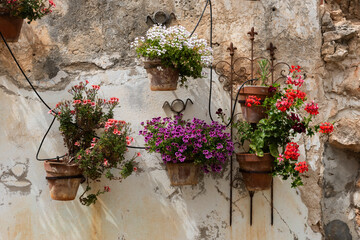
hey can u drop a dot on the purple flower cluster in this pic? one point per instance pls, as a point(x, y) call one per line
point(191, 141)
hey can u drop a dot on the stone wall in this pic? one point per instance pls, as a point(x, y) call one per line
point(340, 51)
point(89, 40)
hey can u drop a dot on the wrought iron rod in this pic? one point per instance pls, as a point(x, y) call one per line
point(272, 202)
point(251, 206)
point(231, 127)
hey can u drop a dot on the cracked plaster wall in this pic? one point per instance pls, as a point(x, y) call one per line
point(89, 40)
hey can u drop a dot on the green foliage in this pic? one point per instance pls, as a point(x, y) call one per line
point(79, 120)
point(28, 9)
point(264, 70)
point(176, 49)
point(274, 132)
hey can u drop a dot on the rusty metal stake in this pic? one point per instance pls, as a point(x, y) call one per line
point(272, 202)
point(251, 205)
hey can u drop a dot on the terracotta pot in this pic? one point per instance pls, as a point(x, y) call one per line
point(183, 173)
point(256, 171)
point(63, 189)
point(10, 27)
point(254, 113)
point(161, 78)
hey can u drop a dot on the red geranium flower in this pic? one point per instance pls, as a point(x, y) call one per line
point(250, 100)
point(292, 151)
point(301, 167)
point(284, 104)
point(312, 108)
point(300, 95)
point(326, 127)
point(291, 93)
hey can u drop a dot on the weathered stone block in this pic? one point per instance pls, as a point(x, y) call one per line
point(337, 230)
point(328, 48)
point(339, 55)
point(327, 23)
point(346, 134)
point(337, 15)
point(343, 32)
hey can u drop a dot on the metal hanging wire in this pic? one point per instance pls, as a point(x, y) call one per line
point(47, 106)
point(208, 3)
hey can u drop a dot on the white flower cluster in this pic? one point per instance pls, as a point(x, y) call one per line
point(160, 38)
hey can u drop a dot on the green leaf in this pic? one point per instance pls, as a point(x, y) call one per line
point(274, 150)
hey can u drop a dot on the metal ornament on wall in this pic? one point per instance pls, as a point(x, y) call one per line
point(160, 18)
point(228, 76)
point(234, 72)
point(231, 75)
point(177, 106)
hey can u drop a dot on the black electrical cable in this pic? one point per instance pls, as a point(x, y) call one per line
point(211, 68)
point(42, 141)
point(201, 16)
point(208, 2)
point(27, 79)
point(43, 101)
point(236, 100)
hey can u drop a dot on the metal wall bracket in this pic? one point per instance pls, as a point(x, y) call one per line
point(178, 106)
point(160, 18)
point(236, 183)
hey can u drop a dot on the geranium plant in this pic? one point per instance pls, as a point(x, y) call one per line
point(288, 115)
point(28, 9)
point(176, 49)
point(80, 120)
point(188, 141)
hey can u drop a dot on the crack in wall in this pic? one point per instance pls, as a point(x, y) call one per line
point(282, 219)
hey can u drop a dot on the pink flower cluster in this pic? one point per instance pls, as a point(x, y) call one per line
point(51, 3)
point(284, 104)
point(84, 102)
point(113, 123)
point(298, 81)
point(312, 108)
point(113, 100)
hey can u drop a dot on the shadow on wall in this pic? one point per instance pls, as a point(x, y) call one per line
point(341, 202)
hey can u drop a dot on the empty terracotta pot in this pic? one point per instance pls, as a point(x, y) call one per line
point(161, 78)
point(254, 113)
point(256, 171)
point(63, 189)
point(183, 173)
point(10, 26)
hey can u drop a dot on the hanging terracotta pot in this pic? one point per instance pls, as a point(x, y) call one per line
point(10, 26)
point(256, 171)
point(183, 173)
point(63, 179)
point(161, 78)
point(254, 113)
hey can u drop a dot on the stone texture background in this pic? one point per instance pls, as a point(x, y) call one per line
point(90, 39)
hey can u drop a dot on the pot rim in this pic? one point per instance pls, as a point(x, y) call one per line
point(251, 154)
point(60, 163)
point(181, 163)
point(157, 60)
point(257, 86)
